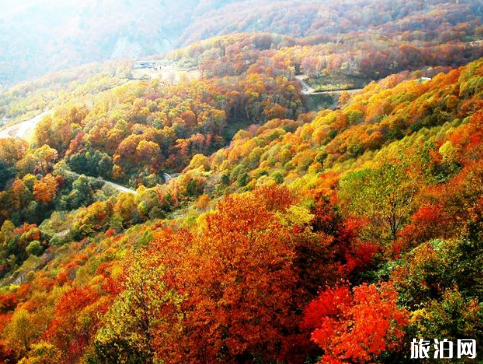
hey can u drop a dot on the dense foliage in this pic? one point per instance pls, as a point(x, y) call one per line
point(258, 229)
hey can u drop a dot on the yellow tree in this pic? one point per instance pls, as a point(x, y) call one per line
point(142, 314)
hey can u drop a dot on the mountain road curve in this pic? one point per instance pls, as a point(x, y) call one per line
point(108, 183)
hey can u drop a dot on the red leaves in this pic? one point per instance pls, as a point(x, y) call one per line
point(240, 280)
point(468, 138)
point(8, 302)
point(68, 330)
point(238, 276)
point(360, 257)
point(274, 198)
point(329, 303)
point(356, 326)
point(110, 232)
point(425, 225)
point(75, 300)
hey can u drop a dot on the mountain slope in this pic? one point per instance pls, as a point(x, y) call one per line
point(344, 199)
point(45, 36)
point(231, 217)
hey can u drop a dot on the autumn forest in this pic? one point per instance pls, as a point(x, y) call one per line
point(280, 183)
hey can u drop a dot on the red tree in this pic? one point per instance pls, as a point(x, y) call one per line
point(355, 326)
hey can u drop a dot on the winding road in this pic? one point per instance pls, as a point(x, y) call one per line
point(23, 130)
point(309, 90)
point(116, 186)
point(119, 187)
point(108, 183)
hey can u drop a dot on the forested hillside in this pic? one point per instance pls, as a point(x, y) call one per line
point(37, 37)
point(233, 218)
point(356, 197)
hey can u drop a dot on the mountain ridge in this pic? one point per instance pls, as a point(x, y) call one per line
point(54, 35)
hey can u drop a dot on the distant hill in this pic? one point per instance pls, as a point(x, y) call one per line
point(42, 36)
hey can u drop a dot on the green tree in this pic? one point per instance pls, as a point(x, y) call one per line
point(80, 195)
point(7, 172)
point(384, 195)
point(34, 248)
point(243, 179)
